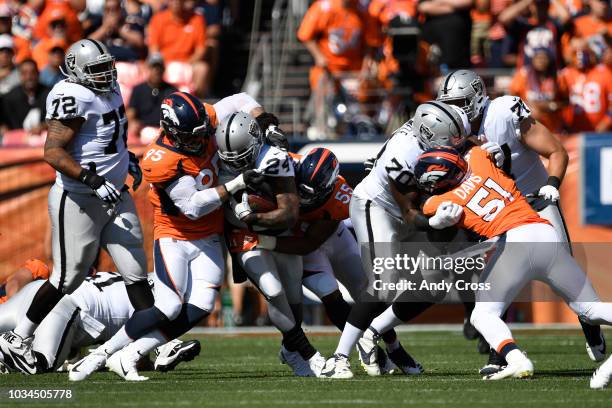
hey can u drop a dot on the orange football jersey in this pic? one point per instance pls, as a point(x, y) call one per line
point(341, 33)
point(162, 164)
point(492, 204)
point(335, 208)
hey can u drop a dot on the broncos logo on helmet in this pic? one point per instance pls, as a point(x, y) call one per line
point(316, 177)
point(440, 169)
point(185, 122)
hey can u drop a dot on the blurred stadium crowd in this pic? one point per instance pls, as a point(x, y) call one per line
point(384, 55)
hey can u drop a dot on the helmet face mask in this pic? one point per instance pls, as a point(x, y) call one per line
point(466, 90)
point(89, 63)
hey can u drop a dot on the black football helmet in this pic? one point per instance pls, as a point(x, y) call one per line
point(440, 169)
point(185, 122)
point(316, 177)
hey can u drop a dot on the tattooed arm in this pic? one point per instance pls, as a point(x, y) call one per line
point(59, 135)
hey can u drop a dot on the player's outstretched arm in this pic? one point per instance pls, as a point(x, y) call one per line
point(287, 211)
point(538, 138)
point(59, 134)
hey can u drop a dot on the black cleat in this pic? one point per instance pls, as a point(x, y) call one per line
point(469, 331)
point(495, 364)
point(405, 362)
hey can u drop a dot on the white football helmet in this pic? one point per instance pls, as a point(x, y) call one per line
point(438, 124)
point(465, 89)
point(239, 140)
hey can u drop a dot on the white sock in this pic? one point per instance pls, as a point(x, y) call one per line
point(25, 328)
point(148, 342)
point(386, 321)
point(348, 339)
point(117, 342)
point(514, 356)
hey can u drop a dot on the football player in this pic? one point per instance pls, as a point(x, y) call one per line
point(88, 204)
point(329, 250)
point(34, 269)
point(277, 275)
point(384, 209)
point(89, 315)
point(507, 121)
point(479, 197)
point(189, 266)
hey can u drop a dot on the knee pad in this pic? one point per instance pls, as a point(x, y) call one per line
point(204, 299)
point(270, 286)
point(170, 308)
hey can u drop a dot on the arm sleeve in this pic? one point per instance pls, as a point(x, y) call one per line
point(242, 102)
point(192, 202)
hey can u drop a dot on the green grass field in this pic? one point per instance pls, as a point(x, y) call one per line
point(244, 370)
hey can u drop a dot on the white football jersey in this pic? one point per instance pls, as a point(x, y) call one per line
point(501, 124)
point(103, 137)
point(103, 298)
point(272, 161)
point(395, 161)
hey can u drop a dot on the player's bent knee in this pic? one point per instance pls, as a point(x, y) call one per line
point(170, 309)
point(595, 312)
point(205, 299)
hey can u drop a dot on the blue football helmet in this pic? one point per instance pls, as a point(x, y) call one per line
point(185, 122)
point(316, 177)
point(440, 169)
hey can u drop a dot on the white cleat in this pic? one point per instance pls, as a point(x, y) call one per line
point(597, 353)
point(337, 366)
point(602, 376)
point(294, 360)
point(316, 364)
point(519, 366)
point(367, 349)
point(174, 352)
point(17, 352)
point(88, 365)
point(123, 363)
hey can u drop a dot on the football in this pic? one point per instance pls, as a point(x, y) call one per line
point(261, 204)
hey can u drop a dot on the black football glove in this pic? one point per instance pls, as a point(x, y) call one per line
point(276, 137)
point(104, 189)
point(135, 171)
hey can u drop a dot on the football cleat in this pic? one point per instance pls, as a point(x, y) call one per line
point(602, 376)
point(293, 359)
point(17, 352)
point(384, 362)
point(4, 368)
point(597, 353)
point(88, 365)
point(175, 352)
point(482, 345)
point(405, 362)
point(316, 364)
point(337, 366)
point(367, 349)
point(495, 364)
point(123, 363)
point(519, 366)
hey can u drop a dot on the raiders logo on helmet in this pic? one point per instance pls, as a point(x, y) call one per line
point(425, 131)
point(70, 61)
point(477, 86)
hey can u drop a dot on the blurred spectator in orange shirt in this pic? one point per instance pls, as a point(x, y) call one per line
point(53, 11)
point(21, 46)
point(338, 34)
point(481, 24)
point(588, 86)
point(536, 84)
point(57, 36)
point(179, 34)
point(9, 75)
point(597, 22)
point(125, 40)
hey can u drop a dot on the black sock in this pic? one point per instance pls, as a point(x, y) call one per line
point(140, 295)
point(592, 334)
point(298, 313)
point(189, 316)
point(467, 309)
point(363, 313)
point(508, 347)
point(44, 301)
point(296, 340)
point(336, 308)
point(406, 311)
point(390, 336)
point(143, 321)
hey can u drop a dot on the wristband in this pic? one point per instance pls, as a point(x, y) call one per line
point(266, 242)
point(554, 181)
point(421, 222)
point(235, 185)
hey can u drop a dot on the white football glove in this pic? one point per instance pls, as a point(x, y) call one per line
point(108, 193)
point(243, 209)
point(495, 151)
point(447, 215)
point(549, 193)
